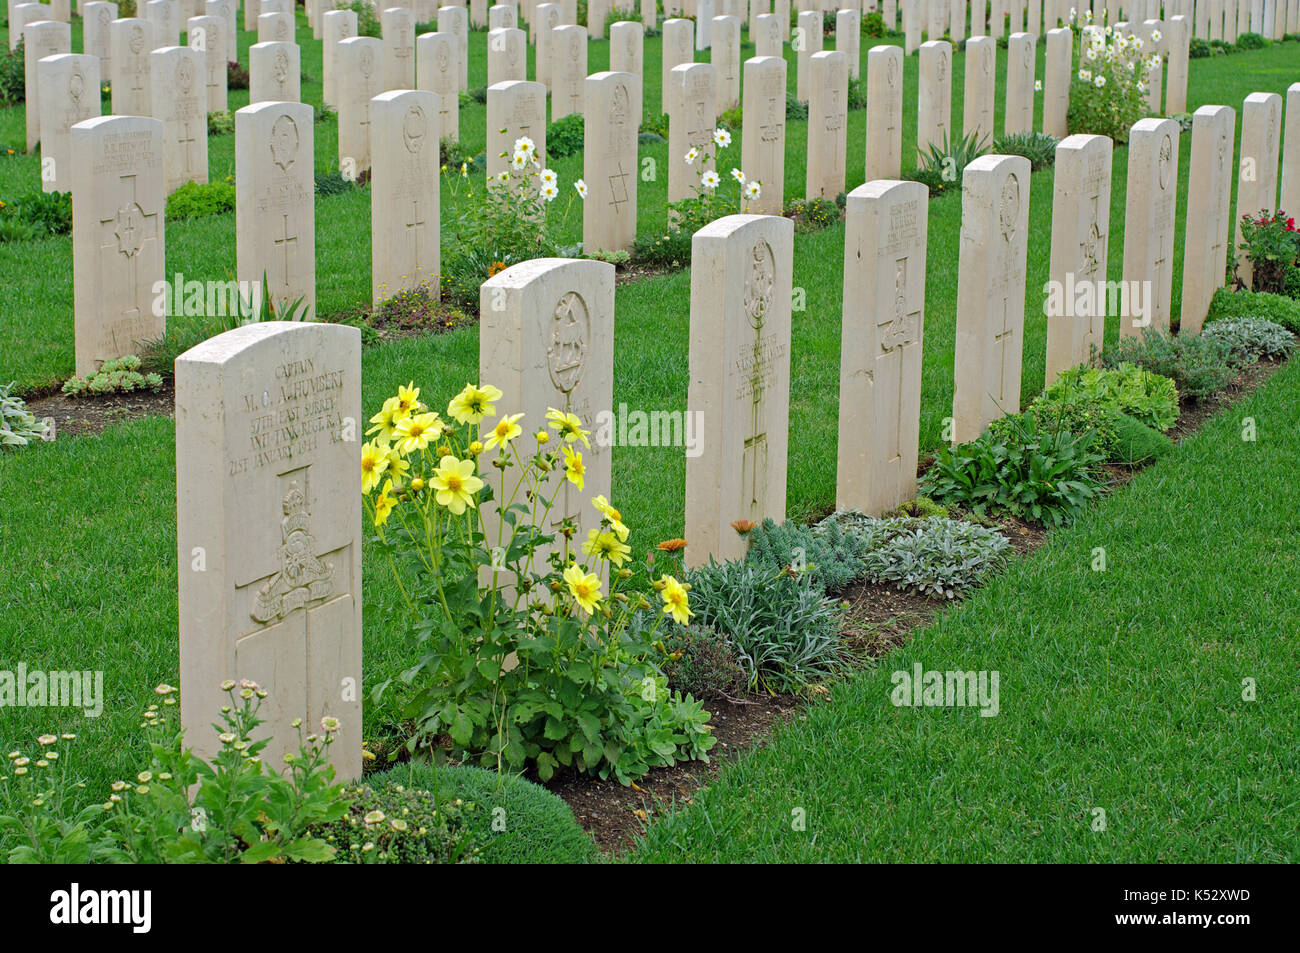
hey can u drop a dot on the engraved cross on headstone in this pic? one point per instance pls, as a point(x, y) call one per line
point(1004, 339)
point(124, 233)
point(899, 329)
point(285, 242)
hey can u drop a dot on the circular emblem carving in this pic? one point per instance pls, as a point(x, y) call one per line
point(1009, 213)
point(760, 284)
point(76, 86)
point(137, 39)
point(566, 345)
point(1165, 161)
point(284, 142)
point(414, 129)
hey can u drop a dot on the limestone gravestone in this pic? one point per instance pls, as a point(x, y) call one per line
point(610, 161)
point(1080, 238)
point(274, 72)
point(807, 41)
point(741, 279)
point(41, 38)
point(179, 100)
point(980, 89)
point(268, 531)
point(678, 46)
point(990, 292)
point(207, 36)
point(828, 122)
point(359, 61)
point(437, 69)
point(454, 20)
point(568, 70)
point(881, 343)
point(1019, 117)
point(1289, 199)
point(275, 215)
point(934, 115)
point(1149, 222)
point(275, 28)
point(691, 94)
point(884, 112)
point(507, 56)
point(1056, 81)
point(399, 47)
point(117, 236)
point(548, 18)
point(404, 217)
point(69, 94)
point(1261, 134)
point(515, 110)
point(725, 55)
point(340, 25)
point(762, 152)
point(97, 16)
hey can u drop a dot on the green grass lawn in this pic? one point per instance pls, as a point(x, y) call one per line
point(1119, 690)
point(87, 531)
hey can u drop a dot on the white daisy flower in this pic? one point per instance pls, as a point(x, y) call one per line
point(525, 145)
point(581, 186)
point(1155, 36)
point(1085, 75)
point(722, 137)
point(549, 191)
point(738, 176)
point(519, 161)
point(692, 156)
point(710, 180)
point(1099, 82)
point(753, 190)
point(548, 177)
point(503, 176)
point(1038, 85)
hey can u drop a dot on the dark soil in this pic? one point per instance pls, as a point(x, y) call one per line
point(79, 416)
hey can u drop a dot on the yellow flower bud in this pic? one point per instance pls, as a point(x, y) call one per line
point(476, 448)
point(543, 436)
point(417, 484)
point(444, 450)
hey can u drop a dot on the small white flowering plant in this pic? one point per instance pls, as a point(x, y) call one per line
point(508, 221)
point(1107, 93)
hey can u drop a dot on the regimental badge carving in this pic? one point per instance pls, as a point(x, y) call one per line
point(1009, 213)
point(281, 68)
point(942, 69)
point(566, 346)
point(302, 578)
point(619, 110)
point(137, 39)
point(284, 142)
point(891, 72)
point(443, 56)
point(127, 229)
point(760, 285)
point(104, 18)
point(415, 128)
point(185, 75)
point(76, 87)
point(1165, 161)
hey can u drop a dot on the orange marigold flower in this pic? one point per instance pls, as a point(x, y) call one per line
point(496, 266)
point(672, 545)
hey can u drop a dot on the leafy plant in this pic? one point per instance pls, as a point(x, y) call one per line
point(784, 630)
point(1038, 147)
point(1252, 337)
point(1123, 385)
point(932, 555)
point(812, 215)
point(795, 111)
point(703, 664)
point(367, 19)
point(873, 24)
point(119, 376)
point(182, 332)
point(18, 425)
point(1135, 443)
point(1252, 41)
point(1198, 49)
point(236, 75)
point(921, 506)
point(1195, 364)
point(1038, 476)
point(35, 216)
point(1252, 304)
point(583, 690)
point(13, 75)
point(391, 823)
point(193, 200)
point(416, 309)
point(1107, 93)
point(941, 167)
point(1272, 244)
point(334, 183)
point(564, 137)
point(221, 123)
point(1084, 414)
point(829, 559)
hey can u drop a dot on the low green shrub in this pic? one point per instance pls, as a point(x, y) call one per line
point(1084, 415)
point(1252, 337)
point(36, 215)
point(658, 125)
point(236, 76)
point(812, 215)
point(13, 75)
point(785, 631)
point(367, 18)
point(830, 559)
point(1038, 476)
point(857, 97)
point(1279, 309)
point(193, 200)
point(513, 820)
point(873, 24)
point(564, 137)
point(1252, 41)
point(1196, 365)
point(182, 332)
point(18, 425)
point(933, 555)
point(221, 123)
point(120, 376)
point(1038, 147)
point(922, 506)
point(393, 820)
point(1124, 385)
point(794, 109)
point(1198, 49)
point(701, 663)
point(1136, 443)
point(332, 183)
